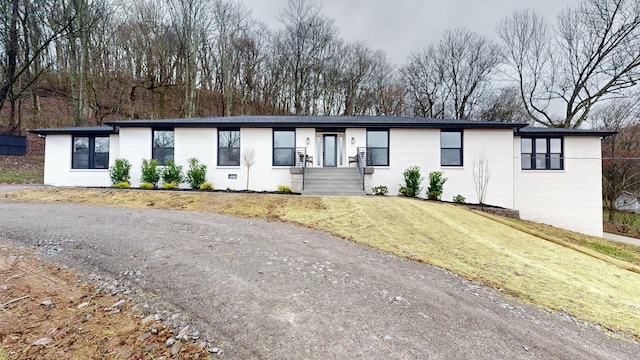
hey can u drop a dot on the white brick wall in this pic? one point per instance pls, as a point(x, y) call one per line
point(569, 198)
point(421, 147)
point(57, 164)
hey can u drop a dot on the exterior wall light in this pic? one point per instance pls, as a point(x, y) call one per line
point(353, 141)
point(308, 141)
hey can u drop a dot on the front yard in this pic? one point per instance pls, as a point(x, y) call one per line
point(588, 277)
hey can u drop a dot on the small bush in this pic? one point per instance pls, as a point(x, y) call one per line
point(150, 172)
point(170, 185)
point(380, 190)
point(122, 185)
point(412, 181)
point(172, 173)
point(459, 199)
point(625, 222)
point(436, 185)
point(405, 191)
point(284, 189)
point(206, 186)
point(119, 172)
point(146, 185)
point(197, 173)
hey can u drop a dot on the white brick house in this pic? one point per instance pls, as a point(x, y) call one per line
point(550, 175)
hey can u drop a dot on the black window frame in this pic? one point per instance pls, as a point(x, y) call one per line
point(92, 160)
point(162, 161)
point(229, 160)
point(548, 156)
point(292, 159)
point(460, 149)
point(370, 149)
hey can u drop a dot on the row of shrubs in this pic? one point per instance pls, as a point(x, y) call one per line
point(171, 174)
point(412, 186)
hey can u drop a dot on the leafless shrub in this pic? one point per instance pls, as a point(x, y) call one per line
point(481, 175)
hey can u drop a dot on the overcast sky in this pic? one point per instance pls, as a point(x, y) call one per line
point(401, 26)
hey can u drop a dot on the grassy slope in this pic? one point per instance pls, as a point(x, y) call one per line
point(589, 285)
point(21, 169)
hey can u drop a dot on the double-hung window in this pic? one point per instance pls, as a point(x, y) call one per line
point(90, 152)
point(451, 148)
point(542, 153)
point(163, 142)
point(377, 148)
point(284, 147)
point(228, 147)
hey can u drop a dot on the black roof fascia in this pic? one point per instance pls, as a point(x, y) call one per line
point(379, 122)
point(539, 131)
point(88, 130)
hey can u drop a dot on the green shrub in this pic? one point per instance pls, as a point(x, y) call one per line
point(172, 173)
point(122, 185)
point(119, 172)
point(412, 181)
point(436, 185)
point(206, 186)
point(170, 185)
point(150, 172)
point(146, 185)
point(197, 173)
point(380, 190)
point(625, 222)
point(284, 189)
point(459, 199)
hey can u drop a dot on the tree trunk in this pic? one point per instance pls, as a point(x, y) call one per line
point(12, 54)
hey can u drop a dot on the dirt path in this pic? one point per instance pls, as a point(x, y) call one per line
point(270, 290)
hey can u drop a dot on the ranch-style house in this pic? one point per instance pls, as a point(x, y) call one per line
point(549, 175)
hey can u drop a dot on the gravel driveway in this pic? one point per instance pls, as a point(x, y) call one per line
point(276, 291)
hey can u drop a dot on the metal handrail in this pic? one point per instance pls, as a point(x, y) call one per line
point(360, 161)
point(301, 159)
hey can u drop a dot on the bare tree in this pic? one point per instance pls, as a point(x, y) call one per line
point(590, 55)
point(364, 70)
point(304, 44)
point(423, 78)
point(481, 175)
point(389, 97)
point(468, 60)
point(150, 47)
point(23, 46)
point(621, 151)
point(84, 17)
point(504, 105)
point(250, 47)
point(231, 23)
point(248, 160)
point(448, 80)
point(190, 17)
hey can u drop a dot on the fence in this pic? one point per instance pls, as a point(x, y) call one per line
point(13, 145)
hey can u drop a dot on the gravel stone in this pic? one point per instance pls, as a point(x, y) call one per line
point(297, 308)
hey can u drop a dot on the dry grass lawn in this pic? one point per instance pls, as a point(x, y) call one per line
point(540, 264)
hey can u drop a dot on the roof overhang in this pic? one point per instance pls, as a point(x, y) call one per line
point(539, 131)
point(87, 131)
point(318, 122)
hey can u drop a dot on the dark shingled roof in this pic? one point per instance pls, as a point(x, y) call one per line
point(541, 131)
point(326, 122)
point(87, 130)
point(318, 121)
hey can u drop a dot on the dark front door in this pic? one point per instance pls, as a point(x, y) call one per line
point(330, 151)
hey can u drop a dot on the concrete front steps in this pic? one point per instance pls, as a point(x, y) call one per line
point(332, 182)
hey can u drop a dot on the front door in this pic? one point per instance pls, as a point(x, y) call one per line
point(330, 151)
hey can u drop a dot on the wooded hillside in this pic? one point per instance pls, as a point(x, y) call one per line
point(81, 62)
